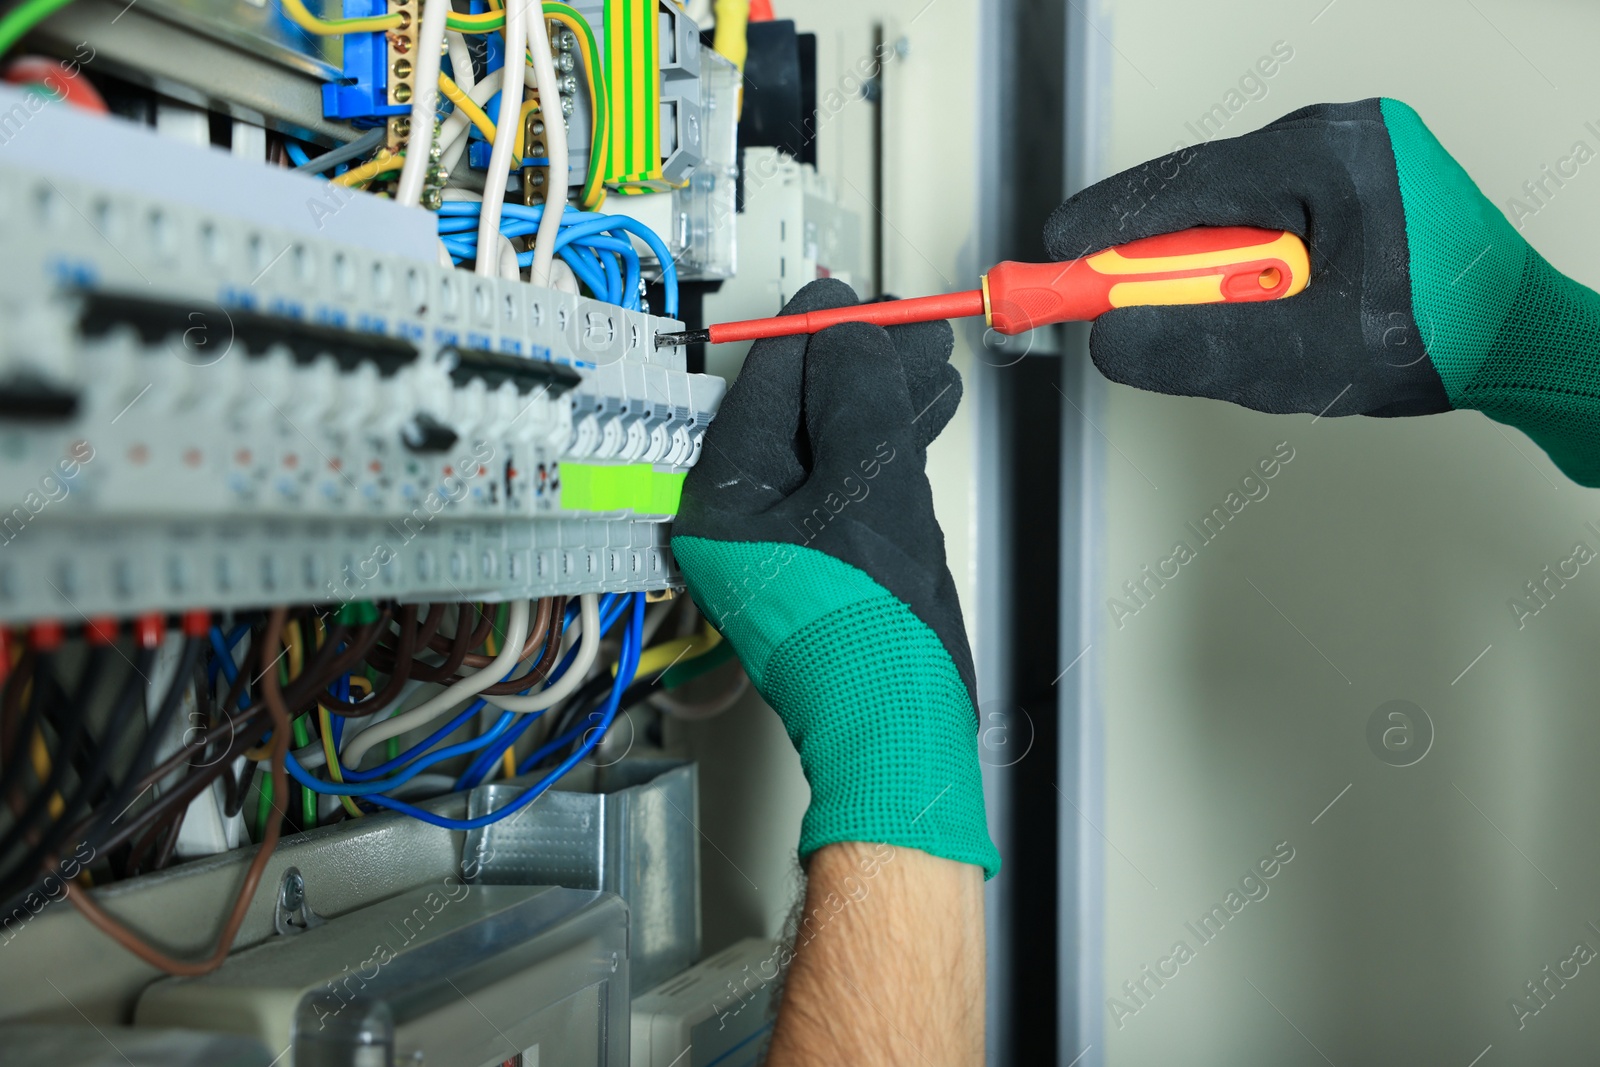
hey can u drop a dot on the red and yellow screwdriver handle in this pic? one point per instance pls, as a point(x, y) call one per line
point(1204, 265)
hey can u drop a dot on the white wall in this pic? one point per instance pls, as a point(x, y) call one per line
point(1378, 568)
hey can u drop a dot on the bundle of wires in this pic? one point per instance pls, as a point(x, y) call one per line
point(597, 248)
point(79, 811)
point(92, 775)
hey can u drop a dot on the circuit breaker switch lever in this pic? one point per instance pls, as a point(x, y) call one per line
point(1203, 265)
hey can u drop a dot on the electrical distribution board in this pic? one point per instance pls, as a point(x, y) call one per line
point(223, 413)
point(338, 618)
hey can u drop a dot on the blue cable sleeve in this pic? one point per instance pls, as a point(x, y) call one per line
point(630, 664)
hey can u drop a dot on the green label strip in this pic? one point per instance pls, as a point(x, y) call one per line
point(636, 487)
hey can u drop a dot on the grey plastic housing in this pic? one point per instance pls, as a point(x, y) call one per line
point(214, 401)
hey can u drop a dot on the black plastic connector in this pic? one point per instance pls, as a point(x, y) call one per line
point(208, 332)
point(496, 368)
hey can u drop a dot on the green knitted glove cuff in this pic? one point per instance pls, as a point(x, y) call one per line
point(869, 696)
point(1510, 335)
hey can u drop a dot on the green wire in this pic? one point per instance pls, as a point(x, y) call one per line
point(308, 799)
point(263, 807)
point(689, 670)
point(24, 18)
point(500, 618)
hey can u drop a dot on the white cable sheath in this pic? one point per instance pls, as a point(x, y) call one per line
point(512, 70)
point(460, 60)
point(509, 267)
point(589, 621)
point(453, 130)
point(437, 705)
point(555, 139)
point(424, 101)
point(562, 278)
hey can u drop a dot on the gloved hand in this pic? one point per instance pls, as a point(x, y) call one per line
point(806, 534)
point(1423, 297)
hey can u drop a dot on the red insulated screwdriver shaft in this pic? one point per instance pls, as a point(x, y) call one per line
point(883, 313)
point(1206, 264)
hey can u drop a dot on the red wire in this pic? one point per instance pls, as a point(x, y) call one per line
point(57, 80)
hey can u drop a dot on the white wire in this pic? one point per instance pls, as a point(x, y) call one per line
point(690, 711)
point(562, 278)
point(467, 79)
point(589, 621)
point(424, 102)
point(453, 131)
point(509, 267)
point(460, 60)
point(470, 686)
point(555, 139)
point(513, 72)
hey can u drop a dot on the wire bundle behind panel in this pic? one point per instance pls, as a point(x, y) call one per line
point(112, 737)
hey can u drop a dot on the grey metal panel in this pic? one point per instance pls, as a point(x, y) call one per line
point(69, 145)
point(633, 835)
point(87, 1046)
point(243, 59)
point(56, 965)
point(1081, 916)
point(455, 975)
point(992, 622)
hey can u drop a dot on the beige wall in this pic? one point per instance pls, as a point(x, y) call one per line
point(1379, 567)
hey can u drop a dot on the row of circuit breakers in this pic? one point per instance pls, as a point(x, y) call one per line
point(226, 385)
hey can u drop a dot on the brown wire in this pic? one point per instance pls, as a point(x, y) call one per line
point(541, 619)
point(460, 644)
point(398, 668)
point(430, 624)
point(541, 667)
point(305, 692)
point(92, 911)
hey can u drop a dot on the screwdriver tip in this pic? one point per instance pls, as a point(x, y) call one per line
point(687, 337)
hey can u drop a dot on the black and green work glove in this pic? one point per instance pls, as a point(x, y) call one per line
point(806, 534)
point(1423, 297)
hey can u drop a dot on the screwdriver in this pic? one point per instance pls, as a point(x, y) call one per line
point(1203, 265)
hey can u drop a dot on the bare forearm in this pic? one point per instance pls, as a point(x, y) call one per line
point(888, 962)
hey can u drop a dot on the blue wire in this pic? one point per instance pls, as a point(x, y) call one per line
point(417, 750)
point(421, 748)
point(296, 153)
point(223, 658)
point(609, 613)
point(574, 226)
point(632, 638)
point(587, 270)
point(361, 789)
